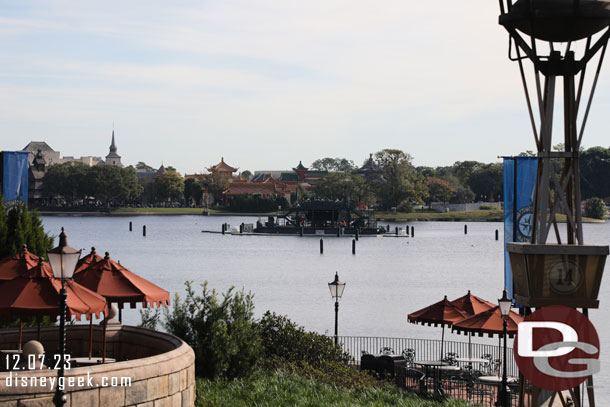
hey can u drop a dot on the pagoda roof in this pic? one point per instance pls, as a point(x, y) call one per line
point(369, 166)
point(222, 166)
point(252, 188)
point(289, 176)
point(300, 167)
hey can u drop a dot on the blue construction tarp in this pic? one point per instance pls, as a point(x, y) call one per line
point(15, 176)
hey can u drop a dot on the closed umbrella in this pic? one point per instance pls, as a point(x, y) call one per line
point(441, 313)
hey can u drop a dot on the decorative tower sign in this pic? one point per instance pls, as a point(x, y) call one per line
point(559, 38)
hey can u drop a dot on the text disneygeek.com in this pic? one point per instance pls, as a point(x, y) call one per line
point(51, 382)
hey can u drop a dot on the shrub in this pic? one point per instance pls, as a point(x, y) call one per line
point(595, 208)
point(282, 338)
point(221, 331)
point(20, 226)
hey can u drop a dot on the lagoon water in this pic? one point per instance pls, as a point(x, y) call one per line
point(387, 278)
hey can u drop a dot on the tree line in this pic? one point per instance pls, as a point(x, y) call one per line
point(387, 180)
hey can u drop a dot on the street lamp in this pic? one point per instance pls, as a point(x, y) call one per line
point(505, 304)
point(63, 259)
point(336, 291)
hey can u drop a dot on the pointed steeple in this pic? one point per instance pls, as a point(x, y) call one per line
point(112, 145)
point(113, 158)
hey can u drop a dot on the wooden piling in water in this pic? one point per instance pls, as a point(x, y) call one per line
point(465, 229)
point(130, 226)
point(144, 230)
point(353, 246)
point(497, 234)
point(321, 246)
point(412, 231)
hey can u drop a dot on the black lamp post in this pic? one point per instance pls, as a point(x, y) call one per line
point(336, 291)
point(505, 304)
point(63, 259)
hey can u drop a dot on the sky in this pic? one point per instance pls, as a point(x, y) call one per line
point(265, 83)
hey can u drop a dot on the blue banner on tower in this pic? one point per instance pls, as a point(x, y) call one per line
point(519, 187)
point(15, 176)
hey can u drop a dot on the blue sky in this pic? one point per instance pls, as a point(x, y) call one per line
point(265, 83)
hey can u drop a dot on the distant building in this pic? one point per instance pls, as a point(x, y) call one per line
point(268, 188)
point(223, 168)
point(113, 158)
point(50, 156)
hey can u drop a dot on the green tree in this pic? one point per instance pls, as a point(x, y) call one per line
point(169, 186)
point(67, 180)
point(145, 167)
point(402, 183)
point(595, 208)
point(346, 187)
point(20, 226)
point(216, 184)
point(333, 164)
point(439, 190)
point(247, 174)
point(113, 185)
point(464, 169)
point(595, 172)
point(487, 182)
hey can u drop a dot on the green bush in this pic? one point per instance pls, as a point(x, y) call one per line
point(595, 208)
point(20, 226)
point(282, 338)
point(221, 331)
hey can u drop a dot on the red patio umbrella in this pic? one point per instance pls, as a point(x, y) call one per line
point(35, 293)
point(17, 264)
point(117, 284)
point(472, 305)
point(441, 313)
point(87, 261)
point(489, 322)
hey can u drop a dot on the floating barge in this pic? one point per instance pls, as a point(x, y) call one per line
point(320, 218)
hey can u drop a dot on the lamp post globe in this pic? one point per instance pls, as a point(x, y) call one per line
point(336, 291)
point(63, 259)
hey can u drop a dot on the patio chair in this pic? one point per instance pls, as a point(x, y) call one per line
point(409, 355)
point(492, 366)
point(451, 358)
point(386, 350)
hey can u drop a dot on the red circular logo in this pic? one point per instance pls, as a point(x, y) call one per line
point(557, 348)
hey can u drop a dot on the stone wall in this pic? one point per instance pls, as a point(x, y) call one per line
point(159, 367)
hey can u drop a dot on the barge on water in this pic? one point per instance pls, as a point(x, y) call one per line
point(320, 217)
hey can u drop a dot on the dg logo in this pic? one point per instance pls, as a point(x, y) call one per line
point(557, 348)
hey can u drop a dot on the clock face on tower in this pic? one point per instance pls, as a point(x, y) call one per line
point(525, 219)
point(565, 277)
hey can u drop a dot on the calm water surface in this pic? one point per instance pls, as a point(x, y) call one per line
point(387, 278)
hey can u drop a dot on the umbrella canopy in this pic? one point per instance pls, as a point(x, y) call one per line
point(488, 322)
point(36, 293)
point(441, 313)
point(87, 261)
point(117, 284)
point(17, 264)
point(472, 305)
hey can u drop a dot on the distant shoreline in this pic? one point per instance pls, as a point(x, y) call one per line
point(492, 215)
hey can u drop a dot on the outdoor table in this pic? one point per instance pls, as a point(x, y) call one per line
point(471, 360)
point(434, 366)
point(86, 361)
point(497, 379)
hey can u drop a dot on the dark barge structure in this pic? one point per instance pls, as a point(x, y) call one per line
point(320, 217)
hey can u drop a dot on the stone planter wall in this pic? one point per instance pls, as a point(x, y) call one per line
point(160, 369)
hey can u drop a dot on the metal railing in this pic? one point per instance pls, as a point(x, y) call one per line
point(428, 349)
